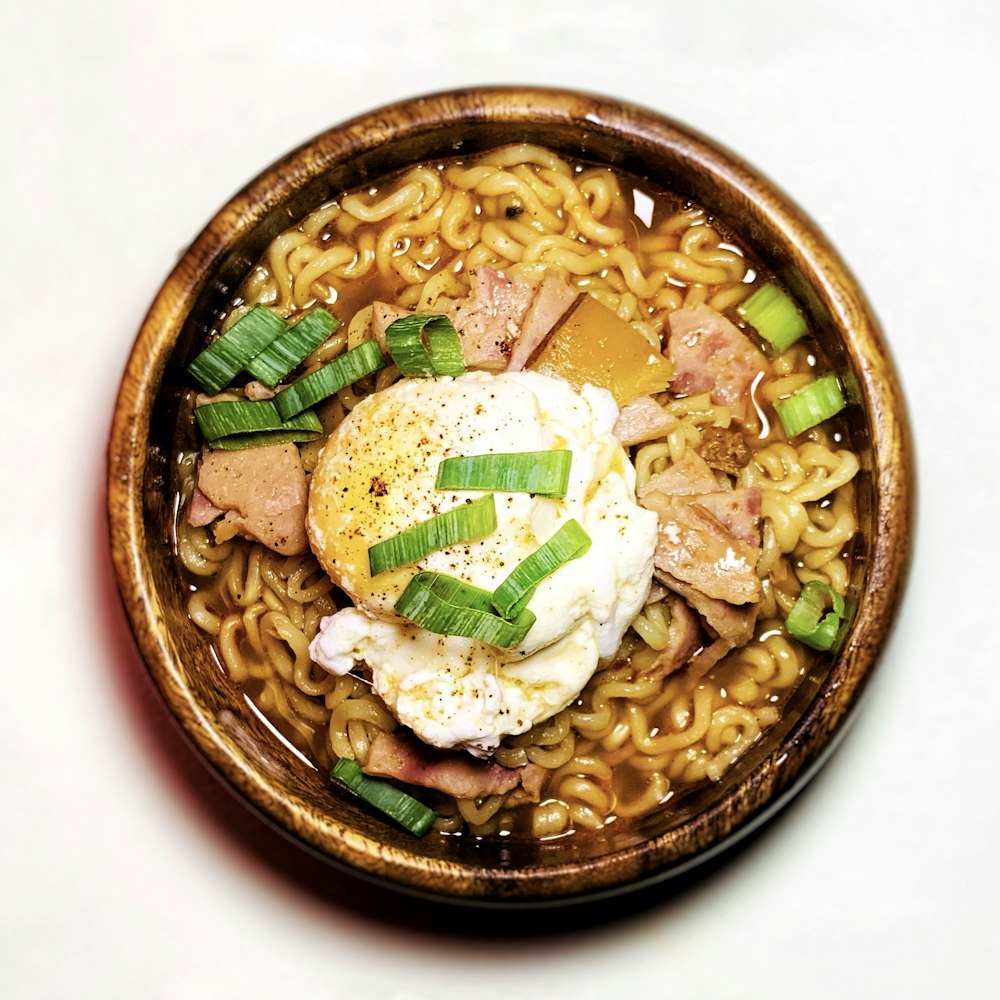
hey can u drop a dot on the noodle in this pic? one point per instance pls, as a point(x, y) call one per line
point(634, 738)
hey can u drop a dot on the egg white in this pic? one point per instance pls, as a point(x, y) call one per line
point(376, 477)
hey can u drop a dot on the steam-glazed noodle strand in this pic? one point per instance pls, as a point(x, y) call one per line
point(634, 738)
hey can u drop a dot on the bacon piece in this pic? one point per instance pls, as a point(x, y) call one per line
point(711, 354)
point(643, 420)
point(263, 491)
point(405, 758)
point(551, 301)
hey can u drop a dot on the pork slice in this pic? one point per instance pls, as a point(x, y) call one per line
point(686, 477)
point(405, 758)
point(644, 419)
point(711, 354)
point(262, 490)
point(697, 547)
point(550, 303)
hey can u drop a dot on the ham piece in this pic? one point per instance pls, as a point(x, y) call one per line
point(688, 476)
point(708, 538)
point(643, 420)
point(731, 623)
point(683, 639)
point(202, 511)
point(710, 354)
point(405, 758)
point(501, 321)
point(549, 305)
point(262, 492)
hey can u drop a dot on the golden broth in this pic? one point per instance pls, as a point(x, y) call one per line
point(634, 739)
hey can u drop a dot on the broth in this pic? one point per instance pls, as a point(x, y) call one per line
point(634, 739)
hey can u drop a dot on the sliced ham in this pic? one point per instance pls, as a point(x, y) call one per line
point(263, 492)
point(405, 758)
point(491, 318)
point(710, 354)
point(730, 623)
point(502, 320)
point(698, 546)
point(708, 537)
point(551, 302)
point(683, 639)
point(686, 477)
point(644, 419)
point(383, 316)
point(201, 510)
point(257, 390)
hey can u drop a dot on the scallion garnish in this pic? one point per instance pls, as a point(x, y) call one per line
point(349, 367)
point(448, 606)
point(396, 804)
point(425, 344)
point(545, 473)
point(810, 405)
point(219, 363)
point(292, 347)
point(466, 523)
point(816, 616)
point(232, 424)
point(568, 543)
point(773, 314)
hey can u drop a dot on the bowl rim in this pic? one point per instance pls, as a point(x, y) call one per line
point(813, 735)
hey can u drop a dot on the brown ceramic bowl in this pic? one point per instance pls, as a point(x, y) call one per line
point(211, 709)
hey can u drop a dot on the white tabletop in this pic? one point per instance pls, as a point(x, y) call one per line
point(127, 871)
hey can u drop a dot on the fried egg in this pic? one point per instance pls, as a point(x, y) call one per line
point(376, 477)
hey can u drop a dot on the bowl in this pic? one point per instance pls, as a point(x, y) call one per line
point(211, 710)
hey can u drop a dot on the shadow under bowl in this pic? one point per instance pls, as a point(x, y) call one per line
point(212, 710)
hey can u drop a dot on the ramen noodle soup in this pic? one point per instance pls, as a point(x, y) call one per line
point(622, 315)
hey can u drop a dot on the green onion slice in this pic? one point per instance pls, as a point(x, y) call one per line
point(810, 405)
point(545, 473)
point(807, 621)
point(233, 424)
point(219, 363)
point(568, 543)
point(290, 348)
point(466, 523)
point(349, 367)
point(411, 814)
point(773, 314)
point(448, 606)
point(425, 344)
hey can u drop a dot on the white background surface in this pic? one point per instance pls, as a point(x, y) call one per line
point(126, 871)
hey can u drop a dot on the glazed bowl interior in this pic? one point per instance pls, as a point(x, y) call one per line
point(148, 427)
